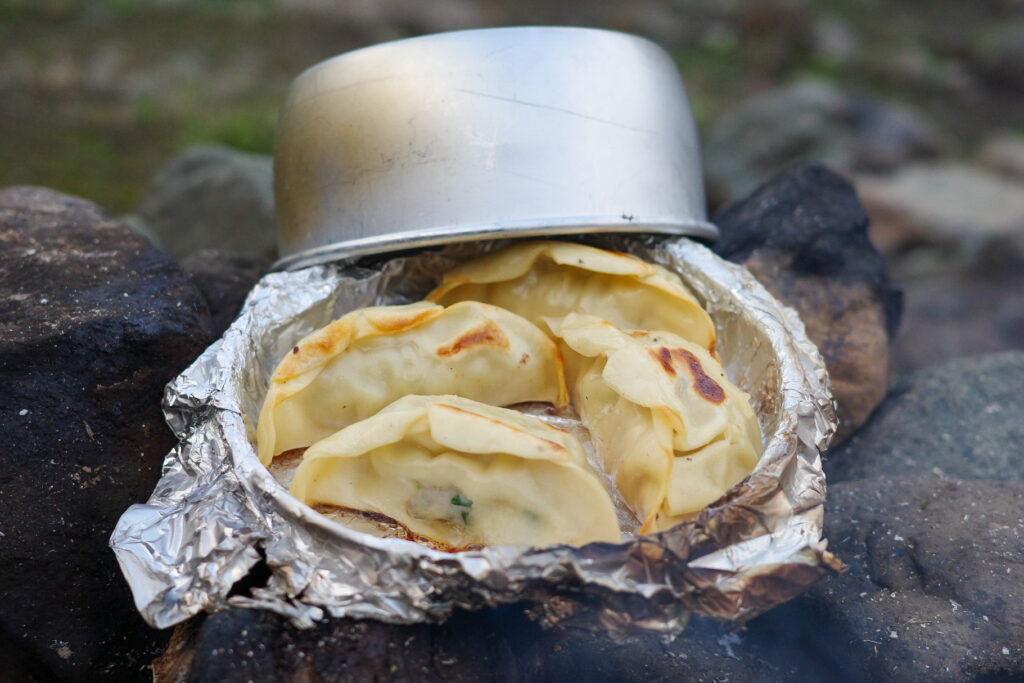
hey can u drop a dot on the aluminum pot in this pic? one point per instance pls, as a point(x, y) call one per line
point(506, 132)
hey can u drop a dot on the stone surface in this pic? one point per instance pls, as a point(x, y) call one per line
point(809, 119)
point(93, 323)
point(242, 644)
point(917, 65)
point(1003, 152)
point(225, 279)
point(706, 651)
point(934, 589)
point(963, 419)
point(942, 204)
point(954, 235)
point(958, 312)
point(835, 40)
point(500, 644)
point(804, 236)
point(212, 198)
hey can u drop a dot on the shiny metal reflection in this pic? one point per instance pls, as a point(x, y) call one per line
point(488, 133)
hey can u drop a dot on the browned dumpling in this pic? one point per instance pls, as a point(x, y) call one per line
point(669, 426)
point(552, 279)
point(363, 361)
point(461, 473)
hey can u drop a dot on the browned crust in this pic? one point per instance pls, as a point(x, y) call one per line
point(705, 386)
point(393, 323)
point(487, 334)
point(326, 340)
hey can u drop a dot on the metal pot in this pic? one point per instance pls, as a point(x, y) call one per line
point(506, 132)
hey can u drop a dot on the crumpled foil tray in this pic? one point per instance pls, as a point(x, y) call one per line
point(217, 511)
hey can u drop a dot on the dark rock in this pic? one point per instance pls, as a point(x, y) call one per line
point(93, 323)
point(803, 234)
point(499, 644)
point(965, 311)
point(886, 135)
point(212, 198)
point(225, 279)
point(706, 651)
point(964, 419)
point(933, 590)
point(810, 119)
point(917, 568)
point(252, 645)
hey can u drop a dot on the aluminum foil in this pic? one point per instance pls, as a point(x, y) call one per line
point(217, 511)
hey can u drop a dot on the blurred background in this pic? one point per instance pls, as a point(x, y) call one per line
point(920, 103)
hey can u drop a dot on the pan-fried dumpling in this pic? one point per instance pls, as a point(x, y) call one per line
point(668, 425)
point(553, 279)
point(363, 361)
point(461, 473)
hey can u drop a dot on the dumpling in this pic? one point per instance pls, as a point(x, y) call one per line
point(363, 361)
point(461, 473)
point(666, 422)
point(553, 279)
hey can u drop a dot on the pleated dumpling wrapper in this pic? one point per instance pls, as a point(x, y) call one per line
point(552, 279)
point(366, 359)
point(462, 473)
point(666, 422)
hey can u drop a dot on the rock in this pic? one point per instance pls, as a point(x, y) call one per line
point(917, 66)
point(954, 235)
point(492, 644)
point(963, 311)
point(225, 279)
point(242, 644)
point(706, 651)
point(998, 53)
point(933, 590)
point(834, 40)
point(1003, 152)
point(947, 206)
point(212, 198)
point(964, 419)
point(93, 323)
point(809, 119)
point(887, 135)
point(804, 236)
point(917, 569)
